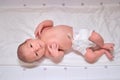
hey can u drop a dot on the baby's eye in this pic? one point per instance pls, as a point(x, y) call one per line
point(36, 54)
point(31, 45)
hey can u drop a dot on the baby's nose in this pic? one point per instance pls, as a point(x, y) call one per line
point(36, 48)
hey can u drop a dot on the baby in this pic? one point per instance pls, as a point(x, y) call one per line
point(53, 42)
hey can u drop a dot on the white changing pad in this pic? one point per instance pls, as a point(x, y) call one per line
point(16, 25)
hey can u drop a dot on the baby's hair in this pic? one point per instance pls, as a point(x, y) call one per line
point(20, 54)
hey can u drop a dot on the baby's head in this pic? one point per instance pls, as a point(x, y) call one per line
point(31, 50)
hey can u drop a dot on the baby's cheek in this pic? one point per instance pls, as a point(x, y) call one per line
point(40, 53)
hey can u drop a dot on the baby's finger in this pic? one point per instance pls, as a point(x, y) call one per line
point(49, 48)
point(55, 46)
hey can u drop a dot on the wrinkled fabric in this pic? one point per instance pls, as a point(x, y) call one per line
point(16, 25)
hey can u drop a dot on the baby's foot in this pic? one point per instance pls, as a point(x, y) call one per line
point(109, 46)
point(109, 55)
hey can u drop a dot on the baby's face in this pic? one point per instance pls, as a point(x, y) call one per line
point(34, 49)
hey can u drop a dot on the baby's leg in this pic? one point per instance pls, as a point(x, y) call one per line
point(109, 55)
point(97, 39)
point(109, 46)
point(92, 56)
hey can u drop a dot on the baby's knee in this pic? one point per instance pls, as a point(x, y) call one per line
point(90, 57)
point(90, 60)
point(95, 36)
point(97, 39)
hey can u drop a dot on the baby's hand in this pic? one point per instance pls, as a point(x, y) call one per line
point(53, 49)
point(56, 55)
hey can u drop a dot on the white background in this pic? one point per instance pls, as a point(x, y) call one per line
point(19, 18)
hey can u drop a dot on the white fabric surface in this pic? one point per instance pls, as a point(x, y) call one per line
point(16, 25)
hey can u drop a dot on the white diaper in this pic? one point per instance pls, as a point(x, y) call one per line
point(80, 40)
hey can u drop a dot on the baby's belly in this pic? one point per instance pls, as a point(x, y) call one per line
point(66, 44)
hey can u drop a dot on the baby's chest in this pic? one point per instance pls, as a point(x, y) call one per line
point(65, 42)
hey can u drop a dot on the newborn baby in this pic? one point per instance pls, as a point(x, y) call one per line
point(53, 41)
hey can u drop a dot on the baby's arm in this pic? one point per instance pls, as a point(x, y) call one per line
point(56, 53)
point(42, 26)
